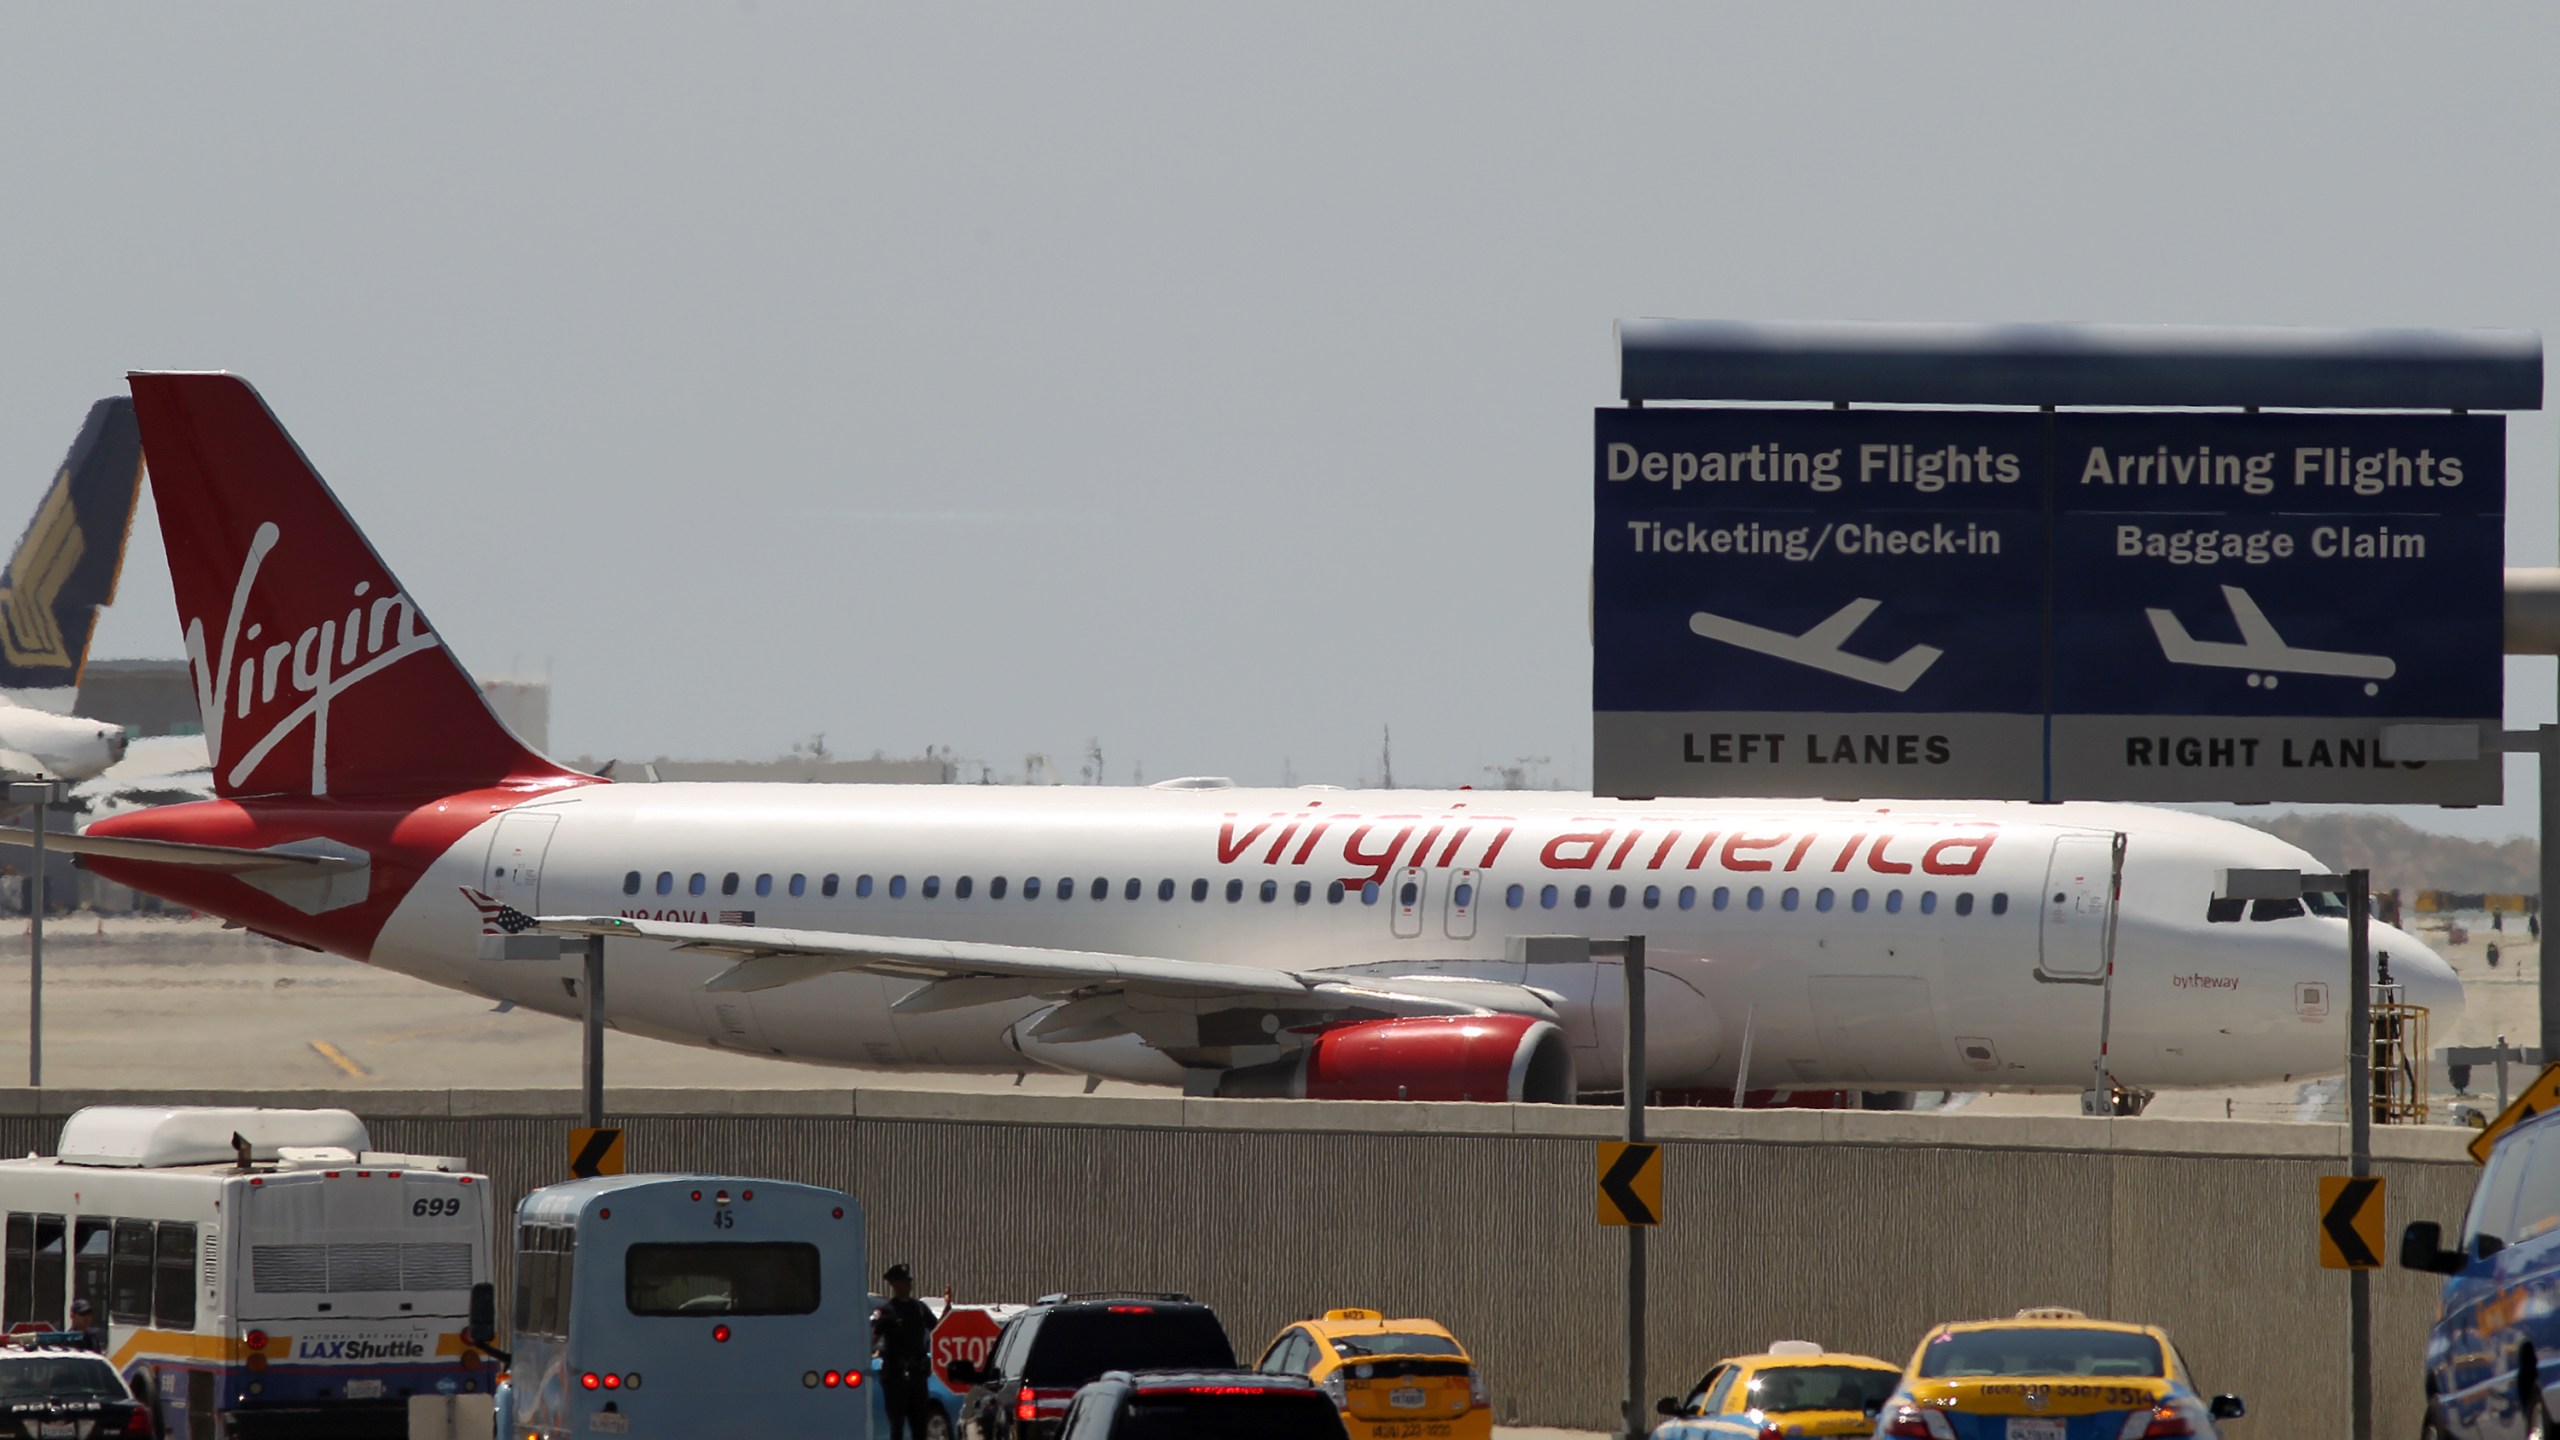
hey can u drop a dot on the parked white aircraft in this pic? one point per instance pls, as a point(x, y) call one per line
point(1313, 941)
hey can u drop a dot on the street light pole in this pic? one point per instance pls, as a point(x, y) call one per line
point(2359, 887)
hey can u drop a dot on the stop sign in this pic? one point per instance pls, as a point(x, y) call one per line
point(963, 1335)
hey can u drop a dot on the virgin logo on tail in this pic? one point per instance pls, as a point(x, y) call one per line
point(321, 663)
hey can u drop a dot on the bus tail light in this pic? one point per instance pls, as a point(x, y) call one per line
point(589, 1381)
point(256, 1339)
point(137, 1426)
point(831, 1379)
point(1026, 1406)
point(720, 1334)
point(853, 1379)
point(612, 1381)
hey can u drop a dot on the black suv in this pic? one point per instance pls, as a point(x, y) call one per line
point(1063, 1342)
point(50, 1392)
point(1180, 1404)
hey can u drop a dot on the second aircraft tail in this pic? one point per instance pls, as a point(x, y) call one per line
point(67, 563)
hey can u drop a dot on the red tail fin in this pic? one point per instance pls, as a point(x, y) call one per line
point(315, 672)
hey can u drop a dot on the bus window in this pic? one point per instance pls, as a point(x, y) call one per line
point(89, 1263)
point(173, 1289)
point(18, 1279)
point(543, 1264)
point(129, 1284)
point(748, 1277)
point(53, 1269)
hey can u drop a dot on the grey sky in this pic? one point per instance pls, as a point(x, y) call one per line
point(1210, 379)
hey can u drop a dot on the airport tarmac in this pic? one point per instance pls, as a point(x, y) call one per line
point(168, 1004)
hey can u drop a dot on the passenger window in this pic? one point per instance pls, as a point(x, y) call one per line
point(1465, 895)
point(1066, 888)
point(1333, 893)
point(1137, 887)
point(129, 1282)
point(932, 886)
point(666, 882)
point(1270, 891)
point(1858, 901)
point(1721, 898)
point(1199, 891)
point(827, 887)
point(1581, 897)
point(1617, 897)
point(995, 888)
point(1164, 890)
point(897, 887)
point(799, 886)
point(1306, 891)
point(1928, 902)
point(173, 1290)
point(2537, 1191)
point(1893, 902)
point(729, 883)
point(1753, 899)
point(1235, 891)
point(2493, 1205)
point(1408, 893)
point(960, 888)
point(2000, 903)
point(1653, 897)
point(1513, 896)
point(1101, 889)
point(697, 884)
point(1369, 892)
point(2219, 911)
point(1964, 903)
point(1688, 897)
point(2274, 909)
point(631, 883)
point(764, 885)
point(1787, 899)
point(1030, 887)
point(1822, 898)
point(862, 887)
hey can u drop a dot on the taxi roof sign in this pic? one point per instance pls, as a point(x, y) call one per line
point(2542, 1095)
point(1353, 1313)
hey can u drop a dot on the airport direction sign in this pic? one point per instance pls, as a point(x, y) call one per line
point(2242, 602)
point(1807, 602)
point(2020, 605)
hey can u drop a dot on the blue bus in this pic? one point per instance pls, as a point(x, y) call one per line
point(687, 1305)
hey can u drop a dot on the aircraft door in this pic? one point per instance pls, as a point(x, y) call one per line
point(2077, 883)
point(514, 877)
point(1464, 894)
point(1405, 893)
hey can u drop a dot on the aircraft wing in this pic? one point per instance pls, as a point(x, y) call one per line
point(18, 764)
point(958, 973)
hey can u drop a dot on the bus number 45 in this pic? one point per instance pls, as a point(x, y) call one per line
point(724, 1220)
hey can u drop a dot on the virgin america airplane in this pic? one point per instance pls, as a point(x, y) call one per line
point(1316, 942)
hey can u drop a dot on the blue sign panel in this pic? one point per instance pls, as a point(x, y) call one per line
point(2036, 606)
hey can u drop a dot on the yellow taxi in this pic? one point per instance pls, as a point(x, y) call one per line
point(2050, 1374)
point(1392, 1379)
point(1796, 1387)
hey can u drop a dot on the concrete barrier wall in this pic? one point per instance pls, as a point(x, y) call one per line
point(1858, 1230)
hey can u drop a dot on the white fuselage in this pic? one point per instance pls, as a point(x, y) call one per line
point(1913, 945)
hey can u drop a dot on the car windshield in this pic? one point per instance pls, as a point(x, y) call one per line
point(1074, 1346)
point(1288, 1415)
point(1819, 1387)
point(1394, 1342)
point(41, 1377)
point(2042, 1350)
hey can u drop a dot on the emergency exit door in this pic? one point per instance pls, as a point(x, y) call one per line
point(2079, 882)
point(514, 878)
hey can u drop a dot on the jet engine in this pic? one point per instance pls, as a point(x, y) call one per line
point(1422, 1057)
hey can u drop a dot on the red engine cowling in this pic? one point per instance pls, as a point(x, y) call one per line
point(1430, 1057)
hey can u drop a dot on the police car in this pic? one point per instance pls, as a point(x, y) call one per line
point(58, 1393)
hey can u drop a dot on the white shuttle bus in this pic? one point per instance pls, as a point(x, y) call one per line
point(692, 1306)
point(252, 1272)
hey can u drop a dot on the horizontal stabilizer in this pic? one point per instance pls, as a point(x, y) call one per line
point(313, 861)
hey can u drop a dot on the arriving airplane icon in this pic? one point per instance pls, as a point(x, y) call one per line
point(2261, 651)
point(1819, 647)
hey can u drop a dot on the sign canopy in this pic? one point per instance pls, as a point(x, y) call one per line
point(2035, 605)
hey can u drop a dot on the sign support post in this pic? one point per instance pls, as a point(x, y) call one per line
point(592, 1063)
point(2549, 738)
point(41, 794)
point(2359, 886)
point(1634, 1081)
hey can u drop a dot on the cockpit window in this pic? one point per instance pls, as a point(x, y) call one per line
point(2325, 903)
point(2274, 909)
point(2219, 911)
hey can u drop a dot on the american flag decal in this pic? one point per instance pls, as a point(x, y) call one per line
point(497, 917)
point(737, 917)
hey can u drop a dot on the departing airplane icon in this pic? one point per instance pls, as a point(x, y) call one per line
point(2261, 651)
point(1819, 647)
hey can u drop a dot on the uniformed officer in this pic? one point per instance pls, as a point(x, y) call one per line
point(902, 1336)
